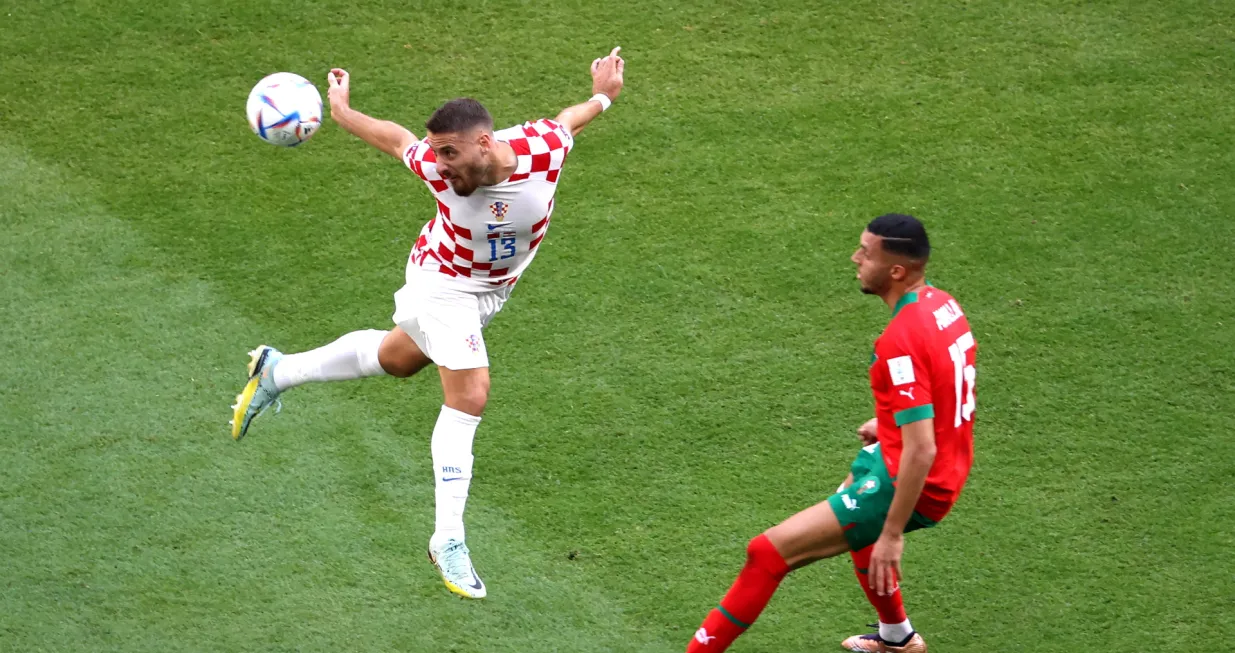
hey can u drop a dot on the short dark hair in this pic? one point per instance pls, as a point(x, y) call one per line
point(902, 234)
point(459, 114)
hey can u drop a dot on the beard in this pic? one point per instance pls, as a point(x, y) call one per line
point(461, 188)
point(465, 184)
point(875, 286)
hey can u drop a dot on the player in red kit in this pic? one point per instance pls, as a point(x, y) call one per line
point(919, 449)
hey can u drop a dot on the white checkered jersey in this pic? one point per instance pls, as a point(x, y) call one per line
point(486, 240)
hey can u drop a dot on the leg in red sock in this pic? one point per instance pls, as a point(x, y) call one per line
point(891, 608)
point(894, 626)
point(810, 535)
point(750, 593)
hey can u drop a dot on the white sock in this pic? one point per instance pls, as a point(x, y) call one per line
point(353, 356)
point(452, 468)
point(895, 633)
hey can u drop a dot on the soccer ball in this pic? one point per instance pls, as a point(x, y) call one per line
point(284, 109)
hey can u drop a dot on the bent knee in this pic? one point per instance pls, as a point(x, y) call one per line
point(473, 402)
point(471, 398)
point(397, 365)
point(761, 552)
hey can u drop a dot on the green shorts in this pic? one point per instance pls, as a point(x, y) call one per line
point(863, 506)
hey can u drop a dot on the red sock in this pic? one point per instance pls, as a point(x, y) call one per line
point(750, 593)
point(891, 608)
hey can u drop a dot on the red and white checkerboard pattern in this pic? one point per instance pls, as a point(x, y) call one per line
point(541, 147)
point(418, 155)
point(542, 150)
point(455, 242)
point(455, 259)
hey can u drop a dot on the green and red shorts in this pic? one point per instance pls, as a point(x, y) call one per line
point(862, 507)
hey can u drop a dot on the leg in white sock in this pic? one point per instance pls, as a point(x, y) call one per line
point(452, 466)
point(895, 633)
point(353, 356)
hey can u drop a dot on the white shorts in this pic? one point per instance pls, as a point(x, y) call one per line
point(446, 322)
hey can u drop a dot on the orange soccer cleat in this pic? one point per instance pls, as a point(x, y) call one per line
point(873, 643)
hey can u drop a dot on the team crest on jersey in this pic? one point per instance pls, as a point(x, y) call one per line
point(499, 209)
point(869, 486)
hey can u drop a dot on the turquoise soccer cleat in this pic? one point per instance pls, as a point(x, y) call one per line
point(259, 393)
point(454, 563)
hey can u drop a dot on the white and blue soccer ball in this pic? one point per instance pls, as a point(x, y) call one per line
point(284, 109)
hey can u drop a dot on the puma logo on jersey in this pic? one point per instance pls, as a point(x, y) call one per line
point(908, 393)
point(702, 636)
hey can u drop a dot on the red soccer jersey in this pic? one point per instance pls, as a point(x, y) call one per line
point(924, 367)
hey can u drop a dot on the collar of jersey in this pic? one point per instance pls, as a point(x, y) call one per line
point(907, 299)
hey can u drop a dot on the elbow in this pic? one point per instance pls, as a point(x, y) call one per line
point(924, 453)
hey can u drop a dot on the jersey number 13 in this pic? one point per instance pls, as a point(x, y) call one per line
point(506, 249)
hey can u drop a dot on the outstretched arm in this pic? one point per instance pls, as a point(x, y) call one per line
point(606, 81)
point(386, 136)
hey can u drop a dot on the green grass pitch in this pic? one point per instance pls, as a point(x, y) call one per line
point(684, 364)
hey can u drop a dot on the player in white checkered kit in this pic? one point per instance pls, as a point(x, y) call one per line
point(494, 195)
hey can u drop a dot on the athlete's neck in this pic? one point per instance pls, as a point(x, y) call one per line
point(505, 161)
point(894, 295)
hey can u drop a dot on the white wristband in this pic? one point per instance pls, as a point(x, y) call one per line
point(603, 100)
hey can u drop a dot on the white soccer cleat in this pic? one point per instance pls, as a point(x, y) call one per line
point(454, 563)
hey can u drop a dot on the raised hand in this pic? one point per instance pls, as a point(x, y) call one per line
point(340, 89)
point(607, 74)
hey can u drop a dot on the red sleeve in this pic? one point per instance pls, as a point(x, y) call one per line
point(906, 365)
